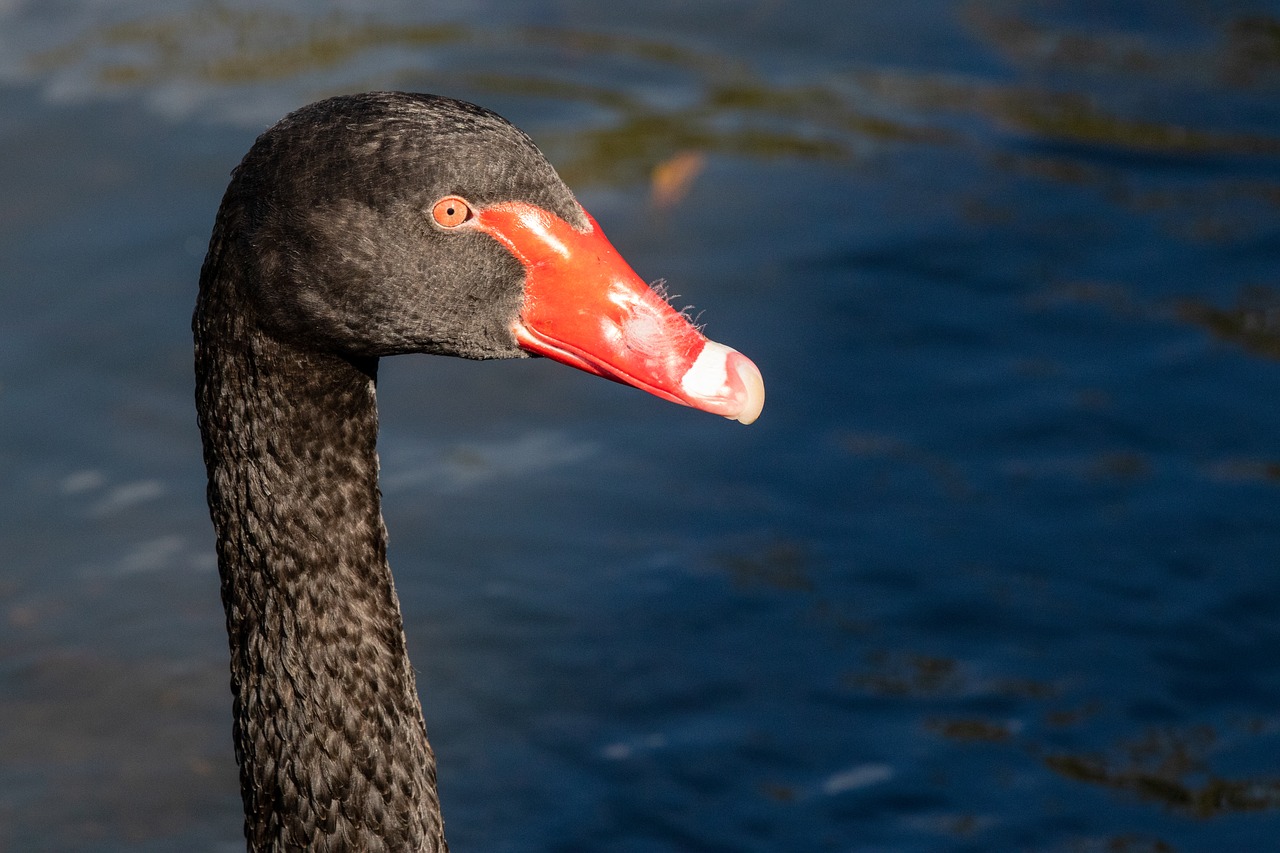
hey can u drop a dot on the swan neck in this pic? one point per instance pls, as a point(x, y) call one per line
point(330, 740)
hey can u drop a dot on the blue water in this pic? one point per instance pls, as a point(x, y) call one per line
point(996, 570)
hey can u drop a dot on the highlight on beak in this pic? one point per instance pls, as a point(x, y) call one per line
point(584, 306)
point(725, 379)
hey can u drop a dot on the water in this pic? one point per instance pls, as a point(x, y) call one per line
point(995, 570)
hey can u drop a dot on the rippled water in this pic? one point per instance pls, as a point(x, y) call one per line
point(995, 571)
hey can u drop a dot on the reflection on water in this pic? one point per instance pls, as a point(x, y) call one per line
point(727, 106)
point(1242, 50)
point(1253, 323)
point(782, 566)
point(922, 676)
point(1172, 768)
point(734, 112)
point(996, 571)
point(228, 47)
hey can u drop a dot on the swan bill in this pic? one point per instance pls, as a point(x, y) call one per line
point(584, 306)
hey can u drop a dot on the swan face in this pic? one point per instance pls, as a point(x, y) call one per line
point(329, 217)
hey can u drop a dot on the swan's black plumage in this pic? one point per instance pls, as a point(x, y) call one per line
point(323, 259)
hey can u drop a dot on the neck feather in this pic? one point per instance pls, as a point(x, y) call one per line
point(329, 735)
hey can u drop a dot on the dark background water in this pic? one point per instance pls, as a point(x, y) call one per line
point(996, 570)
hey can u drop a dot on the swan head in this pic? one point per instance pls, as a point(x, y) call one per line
point(389, 223)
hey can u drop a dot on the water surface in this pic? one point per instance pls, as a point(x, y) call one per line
point(994, 571)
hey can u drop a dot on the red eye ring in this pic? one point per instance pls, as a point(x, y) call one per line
point(451, 211)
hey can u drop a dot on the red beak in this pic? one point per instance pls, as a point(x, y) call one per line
point(584, 306)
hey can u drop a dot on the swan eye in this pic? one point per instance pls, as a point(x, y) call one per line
point(451, 211)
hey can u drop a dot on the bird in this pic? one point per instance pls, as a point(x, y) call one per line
point(359, 227)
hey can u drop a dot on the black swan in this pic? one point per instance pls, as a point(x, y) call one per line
point(359, 227)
